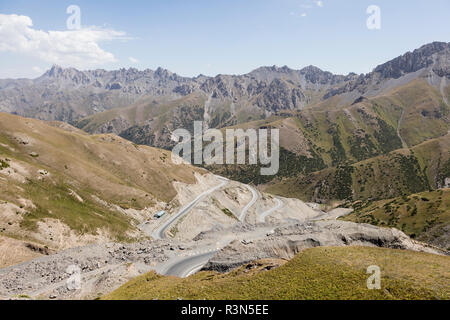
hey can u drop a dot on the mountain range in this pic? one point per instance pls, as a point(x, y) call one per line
point(69, 94)
point(86, 179)
point(326, 121)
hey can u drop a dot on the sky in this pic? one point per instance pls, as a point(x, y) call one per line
point(210, 37)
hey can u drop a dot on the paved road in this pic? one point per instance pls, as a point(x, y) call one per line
point(262, 216)
point(185, 266)
point(189, 265)
point(160, 233)
point(251, 203)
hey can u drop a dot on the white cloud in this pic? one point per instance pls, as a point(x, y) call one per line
point(319, 3)
point(303, 15)
point(133, 60)
point(72, 48)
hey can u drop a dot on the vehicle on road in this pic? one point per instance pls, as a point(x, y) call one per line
point(159, 214)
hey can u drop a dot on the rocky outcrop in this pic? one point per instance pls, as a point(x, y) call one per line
point(281, 95)
point(431, 59)
point(413, 61)
point(286, 242)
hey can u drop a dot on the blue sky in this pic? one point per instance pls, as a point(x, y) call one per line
point(190, 37)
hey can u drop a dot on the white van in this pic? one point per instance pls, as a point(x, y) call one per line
point(159, 214)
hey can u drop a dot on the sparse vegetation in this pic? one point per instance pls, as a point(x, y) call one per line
point(55, 201)
point(229, 213)
point(4, 164)
point(387, 137)
point(424, 216)
point(363, 136)
point(382, 177)
point(81, 181)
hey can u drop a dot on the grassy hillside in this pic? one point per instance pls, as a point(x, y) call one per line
point(398, 173)
point(319, 273)
point(150, 120)
point(371, 127)
point(423, 216)
point(329, 151)
point(52, 173)
point(360, 137)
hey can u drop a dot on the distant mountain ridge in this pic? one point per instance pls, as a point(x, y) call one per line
point(51, 96)
point(431, 60)
point(423, 57)
point(69, 94)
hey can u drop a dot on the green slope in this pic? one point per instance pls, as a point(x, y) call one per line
point(401, 172)
point(319, 273)
point(423, 216)
point(328, 136)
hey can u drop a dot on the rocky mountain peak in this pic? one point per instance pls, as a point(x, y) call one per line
point(271, 70)
point(57, 71)
point(413, 61)
point(66, 75)
point(54, 71)
point(312, 69)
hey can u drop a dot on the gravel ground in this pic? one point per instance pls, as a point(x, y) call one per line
point(110, 264)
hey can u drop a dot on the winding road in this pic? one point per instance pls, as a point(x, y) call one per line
point(251, 203)
point(160, 232)
point(185, 266)
point(262, 217)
